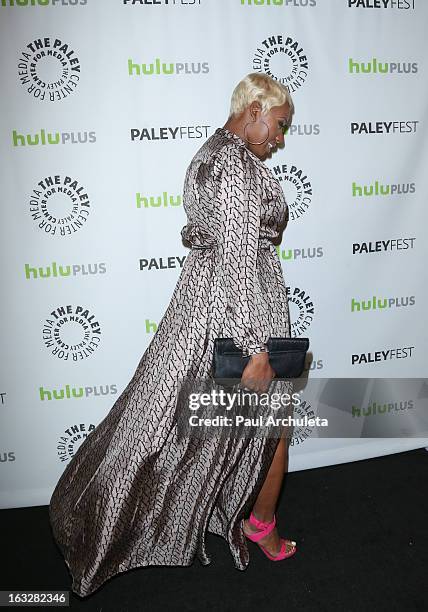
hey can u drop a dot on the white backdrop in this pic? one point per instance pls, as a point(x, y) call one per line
point(104, 103)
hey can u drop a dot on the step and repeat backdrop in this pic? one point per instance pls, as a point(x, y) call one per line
point(104, 103)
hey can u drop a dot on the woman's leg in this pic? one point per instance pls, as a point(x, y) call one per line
point(265, 505)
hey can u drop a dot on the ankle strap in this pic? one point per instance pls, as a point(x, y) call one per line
point(266, 528)
point(262, 524)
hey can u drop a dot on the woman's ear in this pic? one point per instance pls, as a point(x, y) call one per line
point(255, 110)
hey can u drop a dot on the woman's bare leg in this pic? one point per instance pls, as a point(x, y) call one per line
point(265, 505)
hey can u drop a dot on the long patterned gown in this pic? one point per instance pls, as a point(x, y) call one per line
point(135, 493)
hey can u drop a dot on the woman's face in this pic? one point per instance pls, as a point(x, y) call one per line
point(277, 120)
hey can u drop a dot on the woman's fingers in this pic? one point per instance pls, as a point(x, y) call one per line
point(258, 376)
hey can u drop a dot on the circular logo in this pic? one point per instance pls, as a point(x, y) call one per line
point(49, 69)
point(302, 310)
point(59, 205)
point(71, 333)
point(71, 439)
point(297, 188)
point(302, 431)
point(283, 59)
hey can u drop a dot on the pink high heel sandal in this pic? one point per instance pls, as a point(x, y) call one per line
point(266, 528)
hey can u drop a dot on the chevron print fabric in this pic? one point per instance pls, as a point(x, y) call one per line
point(136, 494)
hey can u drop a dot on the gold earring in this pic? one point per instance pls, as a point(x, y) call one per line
point(255, 143)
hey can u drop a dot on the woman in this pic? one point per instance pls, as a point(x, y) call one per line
point(135, 494)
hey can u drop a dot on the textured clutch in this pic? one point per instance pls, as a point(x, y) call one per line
point(286, 356)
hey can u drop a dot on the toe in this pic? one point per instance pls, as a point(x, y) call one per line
point(291, 545)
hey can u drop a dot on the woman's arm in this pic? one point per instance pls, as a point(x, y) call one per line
point(239, 195)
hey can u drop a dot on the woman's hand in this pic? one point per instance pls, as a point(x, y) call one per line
point(258, 373)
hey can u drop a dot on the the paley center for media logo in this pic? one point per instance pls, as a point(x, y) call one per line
point(283, 58)
point(59, 205)
point(71, 438)
point(297, 187)
point(49, 69)
point(71, 333)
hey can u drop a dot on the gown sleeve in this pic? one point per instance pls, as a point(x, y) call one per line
point(239, 196)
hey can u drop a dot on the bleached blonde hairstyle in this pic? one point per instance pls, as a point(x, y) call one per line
point(261, 87)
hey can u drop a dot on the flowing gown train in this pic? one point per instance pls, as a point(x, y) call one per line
point(135, 493)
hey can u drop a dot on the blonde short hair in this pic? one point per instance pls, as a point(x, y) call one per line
point(261, 87)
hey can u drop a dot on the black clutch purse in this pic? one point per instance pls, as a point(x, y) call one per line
point(286, 356)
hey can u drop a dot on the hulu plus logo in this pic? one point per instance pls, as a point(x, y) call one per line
point(301, 253)
point(51, 138)
point(377, 67)
point(376, 303)
point(56, 270)
point(72, 392)
point(151, 326)
point(379, 189)
point(376, 408)
point(159, 201)
point(167, 68)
